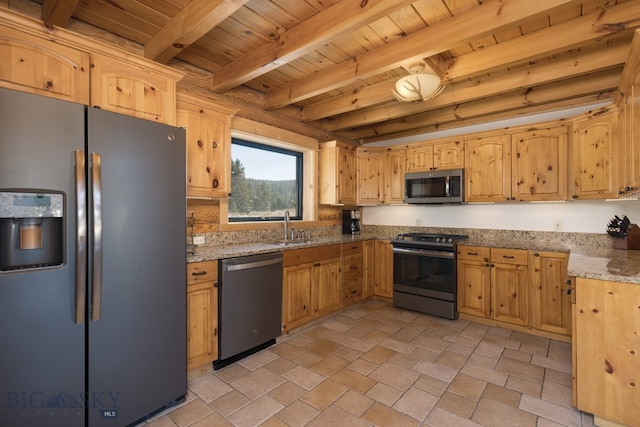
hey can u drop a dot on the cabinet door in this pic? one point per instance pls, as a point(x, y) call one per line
point(370, 166)
point(208, 156)
point(448, 155)
point(131, 89)
point(31, 64)
point(420, 158)
point(606, 349)
point(488, 169)
point(593, 149)
point(474, 284)
point(394, 163)
point(369, 262)
point(550, 302)
point(509, 293)
point(296, 304)
point(629, 123)
point(347, 175)
point(539, 165)
point(202, 343)
point(384, 269)
point(337, 175)
point(327, 295)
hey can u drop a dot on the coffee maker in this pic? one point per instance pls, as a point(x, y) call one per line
point(351, 221)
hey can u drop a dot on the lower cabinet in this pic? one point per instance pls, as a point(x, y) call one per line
point(515, 286)
point(605, 349)
point(202, 313)
point(352, 273)
point(311, 284)
point(369, 266)
point(383, 269)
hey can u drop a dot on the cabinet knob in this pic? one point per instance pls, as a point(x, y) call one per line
point(215, 144)
point(199, 143)
point(215, 183)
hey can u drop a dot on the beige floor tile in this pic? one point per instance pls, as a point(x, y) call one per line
point(274, 422)
point(559, 350)
point(491, 413)
point(398, 346)
point(324, 394)
point(416, 403)
point(431, 385)
point(258, 360)
point(323, 347)
point(563, 415)
point(482, 373)
point(456, 404)
point(466, 386)
point(316, 332)
point(355, 381)
point(384, 394)
point(349, 353)
point(190, 413)
point(520, 369)
point(517, 355)
point(434, 370)
point(230, 403)
point(405, 360)
point(358, 344)
point(522, 385)
point(462, 340)
point(439, 417)
point(307, 359)
point(231, 372)
point(163, 421)
point(287, 392)
point(362, 366)
point(298, 340)
point(280, 365)
point(354, 403)
point(395, 376)
point(451, 360)
point(413, 329)
point(502, 394)
point(257, 383)
point(482, 361)
point(552, 364)
point(286, 350)
point(335, 416)
point(461, 349)
point(297, 414)
point(475, 330)
point(430, 342)
point(487, 349)
point(212, 420)
point(256, 412)
point(425, 354)
point(209, 388)
point(356, 332)
point(379, 354)
point(303, 377)
point(558, 377)
point(329, 365)
point(376, 336)
point(381, 415)
point(557, 393)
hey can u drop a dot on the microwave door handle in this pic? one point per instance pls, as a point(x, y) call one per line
point(447, 186)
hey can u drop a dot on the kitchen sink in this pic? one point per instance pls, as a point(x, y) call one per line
point(291, 242)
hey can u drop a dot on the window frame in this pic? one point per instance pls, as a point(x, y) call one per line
point(299, 163)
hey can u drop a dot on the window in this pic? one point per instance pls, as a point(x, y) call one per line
point(266, 181)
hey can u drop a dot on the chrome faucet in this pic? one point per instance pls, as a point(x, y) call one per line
point(286, 225)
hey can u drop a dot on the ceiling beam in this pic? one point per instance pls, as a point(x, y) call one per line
point(340, 19)
point(194, 21)
point(58, 12)
point(631, 70)
point(437, 38)
point(605, 81)
point(548, 71)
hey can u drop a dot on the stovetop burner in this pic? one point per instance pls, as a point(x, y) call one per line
point(426, 239)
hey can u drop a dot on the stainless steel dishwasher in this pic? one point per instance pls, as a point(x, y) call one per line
point(249, 306)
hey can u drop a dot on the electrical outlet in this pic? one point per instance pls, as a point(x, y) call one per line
point(557, 225)
point(198, 240)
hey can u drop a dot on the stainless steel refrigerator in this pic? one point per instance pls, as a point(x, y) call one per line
point(92, 264)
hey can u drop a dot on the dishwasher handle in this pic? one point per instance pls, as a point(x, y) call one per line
point(255, 264)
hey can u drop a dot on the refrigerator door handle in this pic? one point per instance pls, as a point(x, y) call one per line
point(96, 273)
point(81, 238)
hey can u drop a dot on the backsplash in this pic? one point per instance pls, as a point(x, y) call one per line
point(251, 236)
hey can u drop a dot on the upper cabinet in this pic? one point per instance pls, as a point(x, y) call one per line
point(208, 129)
point(435, 156)
point(539, 162)
point(394, 169)
point(125, 87)
point(337, 178)
point(370, 170)
point(593, 154)
point(40, 66)
point(488, 169)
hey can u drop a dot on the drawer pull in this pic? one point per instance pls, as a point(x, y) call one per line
point(472, 253)
point(199, 273)
point(508, 256)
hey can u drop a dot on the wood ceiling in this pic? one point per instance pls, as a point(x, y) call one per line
point(331, 65)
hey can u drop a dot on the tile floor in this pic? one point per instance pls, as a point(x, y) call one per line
point(374, 364)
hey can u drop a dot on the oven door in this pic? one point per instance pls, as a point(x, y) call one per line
point(428, 273)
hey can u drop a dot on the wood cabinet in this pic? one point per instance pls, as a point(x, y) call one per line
point(369, 266)
point(311, 284)
point(202, 313)
point(208, 147)
point(539, 164)
point(394, 168)
point(488, 169)
point(383, 269)
point(352, 273)
point(605, 346)
point(370, 172)
point(509, 286)
point(41, 66)
point(629, 136)
point(337, 178)
point(474, 280)
point(435, 156)
point(593, 154)
point(550, 301)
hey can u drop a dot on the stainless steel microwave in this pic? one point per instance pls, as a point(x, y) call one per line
point(445, 186)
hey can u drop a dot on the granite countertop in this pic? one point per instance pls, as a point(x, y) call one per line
point(617, 265)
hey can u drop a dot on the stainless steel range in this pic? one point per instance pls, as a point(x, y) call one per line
point(424, 273)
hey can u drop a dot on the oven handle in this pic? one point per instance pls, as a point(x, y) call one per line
point(423, 252)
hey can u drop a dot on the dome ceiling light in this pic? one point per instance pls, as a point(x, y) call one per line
point(422, 84)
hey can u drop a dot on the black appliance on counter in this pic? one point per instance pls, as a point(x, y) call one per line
point(351, 221)
point(424, 273)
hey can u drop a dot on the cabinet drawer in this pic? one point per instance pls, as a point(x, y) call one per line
point(204, 271)
point(509, 256)
point(476, 253)
point(352, 267)
point(307, 255)
point(351, 292)
point(351, 248)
